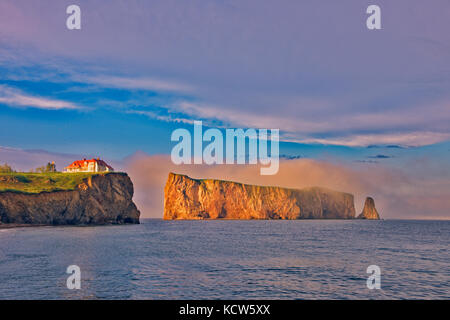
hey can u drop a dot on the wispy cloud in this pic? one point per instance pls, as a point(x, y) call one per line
point(17, 98)
point(409, 127)
point(334, 91)
point(412, 139)
point(165, 118)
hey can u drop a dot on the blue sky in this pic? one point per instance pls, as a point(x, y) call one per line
point(140, 69)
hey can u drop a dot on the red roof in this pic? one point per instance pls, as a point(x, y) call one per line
point(84, 163)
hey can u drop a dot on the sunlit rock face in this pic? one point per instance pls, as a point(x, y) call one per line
point(187, 198)
point(100, 199)
point(369, 212)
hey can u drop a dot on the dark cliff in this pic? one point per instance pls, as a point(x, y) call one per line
point(187, 198)
point(99, 199)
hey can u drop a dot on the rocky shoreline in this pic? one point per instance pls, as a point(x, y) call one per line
point(20, 225)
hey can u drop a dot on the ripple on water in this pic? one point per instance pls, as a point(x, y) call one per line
point(228, 260)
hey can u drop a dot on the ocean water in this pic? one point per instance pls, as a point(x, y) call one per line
point(310, 259)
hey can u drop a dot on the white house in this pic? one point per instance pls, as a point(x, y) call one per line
point(93, 165)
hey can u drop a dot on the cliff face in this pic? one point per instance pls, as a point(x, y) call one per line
point(369, 212)
point(100, 199)
point(187, 198)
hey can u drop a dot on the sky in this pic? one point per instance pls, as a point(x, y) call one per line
point(137, 70)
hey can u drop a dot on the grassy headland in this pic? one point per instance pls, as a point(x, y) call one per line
point(24, 182)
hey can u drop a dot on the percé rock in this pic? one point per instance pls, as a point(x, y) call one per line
point(369, 212)
point(100, 199)
point(187, 198)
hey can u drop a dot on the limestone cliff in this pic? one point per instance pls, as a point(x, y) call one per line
point(100, 199)
point(369, 212)
point(187, 198)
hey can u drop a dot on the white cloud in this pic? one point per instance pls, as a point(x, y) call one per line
point(411, 139)
point(164, 118)
point(240, 79)
point(403, 127)
point(17, 98)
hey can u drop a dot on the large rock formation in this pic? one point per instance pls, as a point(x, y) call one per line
point(187, 198)
point(369, 212)
point(100, 199)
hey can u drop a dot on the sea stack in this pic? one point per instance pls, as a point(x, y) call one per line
point(369, 212)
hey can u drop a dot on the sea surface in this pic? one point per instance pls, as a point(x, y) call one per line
point(305, 259)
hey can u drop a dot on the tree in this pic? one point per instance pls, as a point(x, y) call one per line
point(6, 168)
point(50, 167)
point(40, 169)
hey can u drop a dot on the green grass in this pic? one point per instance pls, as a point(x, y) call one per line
point(24, 182)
